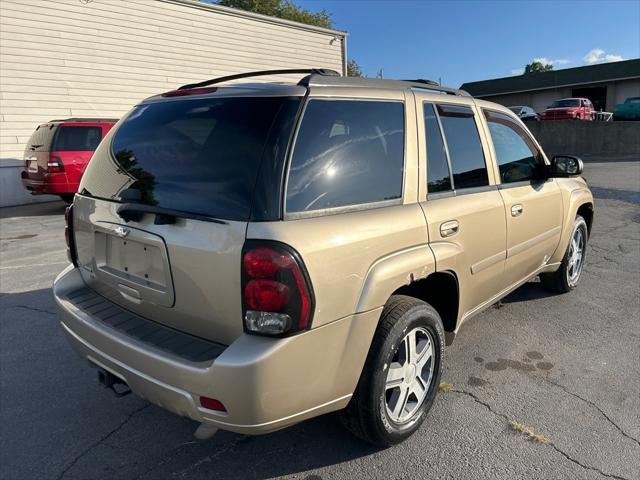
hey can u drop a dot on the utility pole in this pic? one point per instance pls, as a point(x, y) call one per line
point(380, 73)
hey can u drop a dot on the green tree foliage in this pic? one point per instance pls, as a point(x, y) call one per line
point(353, 69)
point(282, 9)
point(535, 67)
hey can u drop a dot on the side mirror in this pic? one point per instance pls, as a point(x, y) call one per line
point(565, 166)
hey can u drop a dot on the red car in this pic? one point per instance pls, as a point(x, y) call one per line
point(570, 109)
point(58, 152)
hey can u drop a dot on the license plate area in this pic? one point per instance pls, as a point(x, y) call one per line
point(135, 263)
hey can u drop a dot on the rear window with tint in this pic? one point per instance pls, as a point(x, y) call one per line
point(199, 155)
point(77, 138)
point(41, 138)
point(465, 149)
point(347, 152)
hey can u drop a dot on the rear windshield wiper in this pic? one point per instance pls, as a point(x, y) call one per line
point(164, 216)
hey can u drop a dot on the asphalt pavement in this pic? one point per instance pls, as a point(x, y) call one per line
point(564, 367)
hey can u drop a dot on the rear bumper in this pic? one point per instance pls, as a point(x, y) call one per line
point(265, 384)
point(51, 183)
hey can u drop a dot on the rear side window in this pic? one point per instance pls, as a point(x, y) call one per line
point(77, 138)
point(347, 152)
point(465, 150)
point(518, 158)
point(41, 138)
point(438, 177)
point(198, 155)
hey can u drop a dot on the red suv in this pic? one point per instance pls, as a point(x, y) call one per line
point(569, 109)
point(58, 152)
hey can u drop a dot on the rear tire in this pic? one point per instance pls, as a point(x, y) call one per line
point(566, 278)
point(401, 375)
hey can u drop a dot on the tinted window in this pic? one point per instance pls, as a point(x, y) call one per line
point(517, 156)
point(438, 178)
point(570, 102)
point(77, 138)
point(198, 155)
point(347, 152)
point(41, 139)
point(465, 149)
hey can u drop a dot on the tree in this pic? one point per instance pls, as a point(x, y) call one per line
point(282, 9)
point(353, 69)
point(535, 67)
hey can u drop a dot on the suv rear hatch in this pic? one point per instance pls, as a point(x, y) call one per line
point(163, 208)
point(37, 151)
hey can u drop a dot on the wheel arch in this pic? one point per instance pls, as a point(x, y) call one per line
point(441, 291)
point(577, 202)
point(586, 211)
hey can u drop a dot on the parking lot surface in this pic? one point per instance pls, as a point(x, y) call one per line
point(566, 367)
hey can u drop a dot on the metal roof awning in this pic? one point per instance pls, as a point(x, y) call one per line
point(600, 73)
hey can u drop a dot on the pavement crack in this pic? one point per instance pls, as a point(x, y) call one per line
point(102, 439)
point(476, 399)
point(589, 402)
point(35, 309)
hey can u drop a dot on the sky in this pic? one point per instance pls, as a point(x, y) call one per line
point(462, 41)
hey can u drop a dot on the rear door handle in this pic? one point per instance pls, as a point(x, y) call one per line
point(447, 229)
point(516, 210)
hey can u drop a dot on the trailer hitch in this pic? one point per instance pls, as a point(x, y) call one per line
point(111, 381)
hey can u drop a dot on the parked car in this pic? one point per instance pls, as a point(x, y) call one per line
point(570, 109)
point(58, 153)
point(629, 110)
point(253, 271)
point(525, 113)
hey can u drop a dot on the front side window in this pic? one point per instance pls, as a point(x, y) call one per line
point(438, 176)
point(516, 154)
point(71, 139)
point(465, 150)
point(347, 152)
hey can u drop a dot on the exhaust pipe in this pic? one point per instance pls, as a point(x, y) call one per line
point(204, 432)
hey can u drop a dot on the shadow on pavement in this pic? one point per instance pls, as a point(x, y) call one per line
point(54, 429)
point(529, 291)
point(34, 210)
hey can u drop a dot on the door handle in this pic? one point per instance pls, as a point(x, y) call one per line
point(449, 228)
point(516, 210)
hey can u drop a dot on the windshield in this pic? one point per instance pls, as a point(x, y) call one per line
point(200, 156)
point(569, 102)
point(515, 110)
point(633, 100)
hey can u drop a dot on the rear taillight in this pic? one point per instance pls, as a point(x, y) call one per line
point(55, 165)
point(68, 235)
point(277, 298)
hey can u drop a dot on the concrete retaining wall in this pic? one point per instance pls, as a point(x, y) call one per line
point(595, 139)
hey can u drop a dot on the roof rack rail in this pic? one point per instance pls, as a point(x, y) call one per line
point(425, 81)
point(431, 85)
point(310, 71)
point(83, 119)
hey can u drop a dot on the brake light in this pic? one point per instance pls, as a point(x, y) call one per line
point(68, 235)
point(276, 294)
point(55, 165)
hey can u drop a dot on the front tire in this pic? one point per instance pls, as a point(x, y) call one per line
point(401, 375)
point(566, 278)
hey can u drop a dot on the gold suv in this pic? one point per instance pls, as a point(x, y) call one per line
point(251, 255)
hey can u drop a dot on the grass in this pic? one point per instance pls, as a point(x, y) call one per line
point(445, 387)
point(536, 437)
